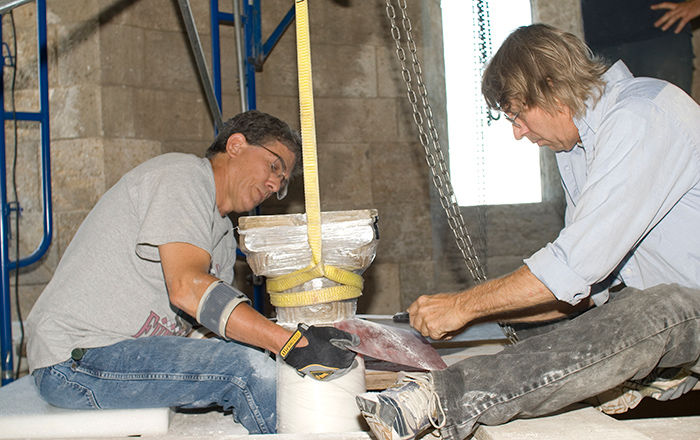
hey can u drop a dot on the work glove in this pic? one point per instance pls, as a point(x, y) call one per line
point(326, 357)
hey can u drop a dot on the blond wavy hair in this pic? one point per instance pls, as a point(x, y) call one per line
point(541, 66)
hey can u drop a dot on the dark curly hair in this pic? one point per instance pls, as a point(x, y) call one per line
point(259, 128)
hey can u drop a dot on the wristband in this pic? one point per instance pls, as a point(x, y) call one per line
point(217, 304)
point(292, 342)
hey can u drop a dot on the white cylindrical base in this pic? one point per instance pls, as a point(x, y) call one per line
point(306, 405)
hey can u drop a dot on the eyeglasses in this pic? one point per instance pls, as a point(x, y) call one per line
point(279, 169)
point(512, 119)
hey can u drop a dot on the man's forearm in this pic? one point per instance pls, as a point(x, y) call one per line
point(246, 325)
point(517, 295)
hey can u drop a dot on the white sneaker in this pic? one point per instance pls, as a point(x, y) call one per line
point(404, 410)
point(663, 384)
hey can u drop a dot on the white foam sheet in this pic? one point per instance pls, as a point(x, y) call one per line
point(24, 414)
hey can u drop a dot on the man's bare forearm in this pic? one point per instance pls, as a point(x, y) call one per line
point(518, 296)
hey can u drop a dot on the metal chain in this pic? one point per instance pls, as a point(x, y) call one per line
point(483, 30)
point(430, 142)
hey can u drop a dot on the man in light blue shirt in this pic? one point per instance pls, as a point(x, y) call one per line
point(628, 150)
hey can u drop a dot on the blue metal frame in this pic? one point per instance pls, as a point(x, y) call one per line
point(256, 52)
point(42, 116)
point(255, 55)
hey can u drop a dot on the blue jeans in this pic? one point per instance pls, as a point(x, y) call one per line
point(168, 371)
point(626, 338)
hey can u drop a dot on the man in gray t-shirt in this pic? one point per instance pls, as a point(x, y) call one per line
point(155, 255)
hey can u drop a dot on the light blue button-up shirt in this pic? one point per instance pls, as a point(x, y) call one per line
point(632, 194)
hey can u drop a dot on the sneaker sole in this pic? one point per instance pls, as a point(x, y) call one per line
point(389, 411)
point(375, 413)
point(379, 429)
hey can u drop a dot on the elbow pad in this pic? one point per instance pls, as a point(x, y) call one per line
point(217, 304)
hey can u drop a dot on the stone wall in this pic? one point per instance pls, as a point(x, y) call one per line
point(124, 88)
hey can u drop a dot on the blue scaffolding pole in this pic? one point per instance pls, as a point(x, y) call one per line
point(42, 117)
point(256, 52)
point(251, 61)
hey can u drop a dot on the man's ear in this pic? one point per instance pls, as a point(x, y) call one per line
point(235, 144)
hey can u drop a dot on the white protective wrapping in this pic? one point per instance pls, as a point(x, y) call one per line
point(306, 405)
point(278, 245)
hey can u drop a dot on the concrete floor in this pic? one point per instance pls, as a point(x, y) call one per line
point(581, 423)
point(576, 423)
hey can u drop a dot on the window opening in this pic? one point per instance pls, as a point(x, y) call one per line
point(487, 165)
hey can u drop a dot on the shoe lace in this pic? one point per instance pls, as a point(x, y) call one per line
point(427, 390)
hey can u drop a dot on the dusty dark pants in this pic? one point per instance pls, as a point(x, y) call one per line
point(624, 339)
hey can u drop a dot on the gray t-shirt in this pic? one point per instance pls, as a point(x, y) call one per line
point(109, 284)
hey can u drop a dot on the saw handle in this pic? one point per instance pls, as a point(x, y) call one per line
point(401, 317)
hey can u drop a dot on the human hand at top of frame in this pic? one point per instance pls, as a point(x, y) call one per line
point(437, 316)
point(682, 12)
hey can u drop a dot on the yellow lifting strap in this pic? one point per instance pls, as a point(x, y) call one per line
point(351, 283)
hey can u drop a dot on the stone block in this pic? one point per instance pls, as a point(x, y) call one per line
point(77, 173)
point(399, 173)
point(452, 275)
point(477, 220)
point(344, 70)
point(552, 190)
point(170, 115)
point(31, 236)
point(565, 15)
point(26, 57)
point(362, 120)
point(75, 112)
point(340, 205)
point(198, 148)
point(345, 174)
point(506, 230)
point(202, 17)
point(279, 75)
point(122, 155)
point(666, 428)
point(579, 424)
point(417, 278)
point(283, 107)
point(407, 130)
point(229, 61)
point(348, 22)
point(30, 232)
point(67, 224)
point(381, 294)
point(25, 100)
point(522, 229)
point(404, 233)
point(271, 13)
point(231, 106)
point(28, 172)
point(502, 265)
point(292, 204)
point(119, 111)
point(390, 83)
point(71, 11)
point(28, 294)
point(169, 63)
point(25, 31)
point(123, 55)
point(152, 14)
point(77, 54)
